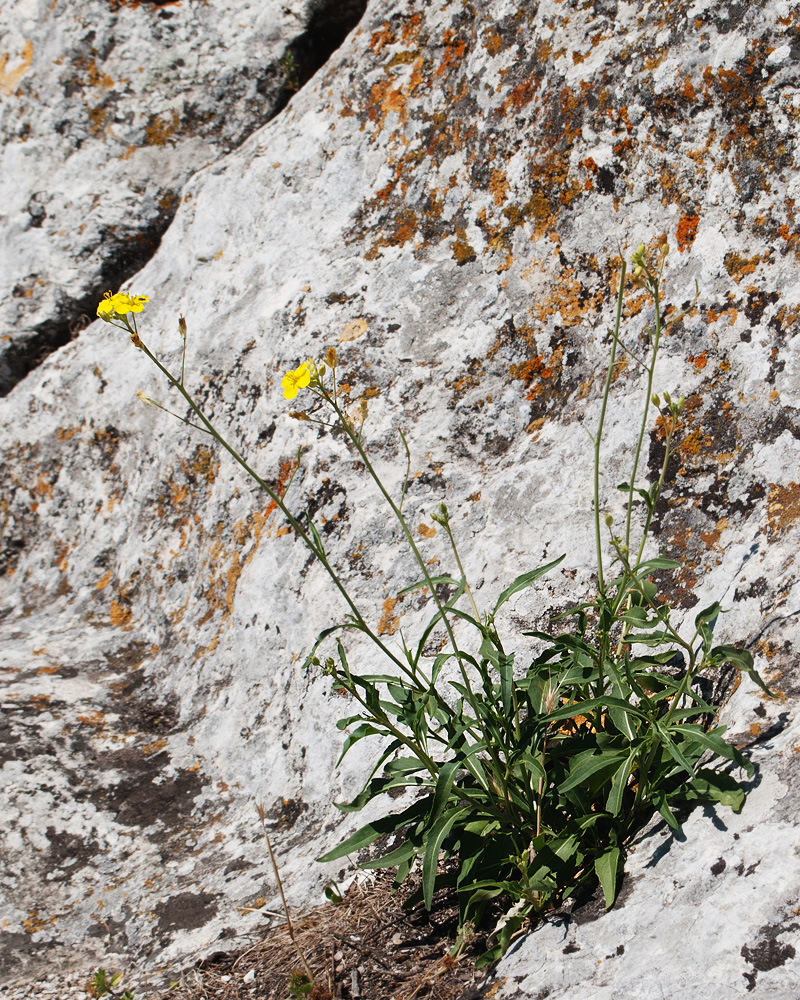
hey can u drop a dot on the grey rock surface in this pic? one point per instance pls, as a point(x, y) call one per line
point(107, 107)
point(445, 201)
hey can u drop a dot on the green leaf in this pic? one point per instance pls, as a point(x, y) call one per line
point(404, 852)
point(524, 581)
point(607, 867)
point(371, 831)
point(674, 750)
point(660, 802)
point(741, 659)
point(717, 786)
point(586, 764)
point(618, 785)
point(435, 580)
point(657, 563)
point(505, 667)
point(441, 793)
point(433, 843)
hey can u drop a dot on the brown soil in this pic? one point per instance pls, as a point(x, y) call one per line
point(366, 948)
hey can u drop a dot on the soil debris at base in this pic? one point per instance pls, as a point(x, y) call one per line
point(368, 947)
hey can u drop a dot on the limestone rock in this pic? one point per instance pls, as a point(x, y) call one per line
point(107, 108)
point(445, 200)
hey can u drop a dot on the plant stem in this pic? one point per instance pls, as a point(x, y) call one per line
point(278, 501)
point(599, 435)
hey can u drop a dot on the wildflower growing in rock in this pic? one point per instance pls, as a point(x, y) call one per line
point(118, 306)
point(293, 381)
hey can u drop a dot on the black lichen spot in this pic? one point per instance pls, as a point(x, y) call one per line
point(719, 866)
point(186, 911)
point(768, 953)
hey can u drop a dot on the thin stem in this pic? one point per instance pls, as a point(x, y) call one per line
point(648, 395)
point(278, 501)
point(289, 925)
point(599, 435)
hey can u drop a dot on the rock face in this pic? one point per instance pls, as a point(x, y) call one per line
point(445, 201)
point(108, 107)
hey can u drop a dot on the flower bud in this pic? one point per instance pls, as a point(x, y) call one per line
point(667, 397)
point(182, 326)
point(609, 520)
point(655, 400)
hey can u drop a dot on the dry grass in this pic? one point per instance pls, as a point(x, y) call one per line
point(366, 948)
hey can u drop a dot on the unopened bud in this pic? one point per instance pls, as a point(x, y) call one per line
point(655, 400)
point(609, 520)
point(680, 405)
point(182, 326)
point(667, 397)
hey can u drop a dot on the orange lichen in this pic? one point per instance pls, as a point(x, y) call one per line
point(389, 622)
point(783, 507)
point(738, 266)
point(160, 131)
point(426, 531)
point(155, 746)
point(9, 79)
point(119, 614)
point(687, 231)
point(498, 186)
point(699, 360)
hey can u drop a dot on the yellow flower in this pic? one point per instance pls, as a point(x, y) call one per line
point(293, 381)
point(115, 306)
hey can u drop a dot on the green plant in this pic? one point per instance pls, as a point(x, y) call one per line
point(102, 985)
point(534, 779)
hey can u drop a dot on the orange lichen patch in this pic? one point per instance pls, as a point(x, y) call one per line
point(33, 923)
point(687, 90)
point(425, 531)
point(738, 266)
point(498, 186)
point(96, 719)
point(67, 433)
point(783, 507)
point(712, 316)
point(710, 538)
point(687, 231)
point(534, 428)
point(155, 746)
point(61, 557)
point(389, 622)
point(492, 42)
point(160, 131)
point(104, 580)
point(196, 766)
point(569, 299)
point(410, 29)
point(699, 360)
point(382, 37)
point(9, 79)
point(454, 51)
point(119, 614)
point(405, 228)
point(42, 488)
point(521, 95)
point(47, 670)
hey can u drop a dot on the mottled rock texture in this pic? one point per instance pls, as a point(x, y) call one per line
point(445, 200)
